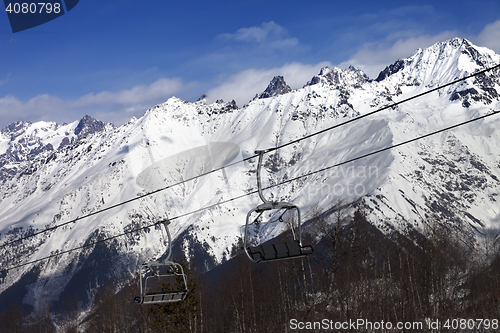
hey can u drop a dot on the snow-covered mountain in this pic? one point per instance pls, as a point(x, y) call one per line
point(51, 174)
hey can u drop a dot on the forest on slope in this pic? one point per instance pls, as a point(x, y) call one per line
point(356, 272)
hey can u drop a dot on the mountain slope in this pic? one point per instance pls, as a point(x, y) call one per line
point(52, 174)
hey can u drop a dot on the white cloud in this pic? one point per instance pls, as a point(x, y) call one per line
point(243, 86)
point(116, 107)
point(268, 33)
point(138, 94)
point(119, 106)
point(39, 107)
point(372, 58)
point(490, 37)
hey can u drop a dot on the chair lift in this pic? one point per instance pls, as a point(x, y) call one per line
point(277, 251)
point(151, 270)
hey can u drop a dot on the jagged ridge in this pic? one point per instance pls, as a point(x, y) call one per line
point(56, 173)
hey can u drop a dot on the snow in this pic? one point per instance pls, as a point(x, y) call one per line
point(178, 140)
point(4, 144)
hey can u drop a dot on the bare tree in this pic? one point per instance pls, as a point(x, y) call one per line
point(42, 321)
point(12, 318)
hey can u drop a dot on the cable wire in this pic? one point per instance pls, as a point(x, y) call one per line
point(250, 157)
point(120, 204)
point(251, 192)
point(383, 108)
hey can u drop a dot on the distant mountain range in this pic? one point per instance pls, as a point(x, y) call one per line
point(51, 174)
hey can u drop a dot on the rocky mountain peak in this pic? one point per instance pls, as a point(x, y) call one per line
point(391, 69)
point(276, 87)
point(445, 62)
point(452, 177)
point(429, 64)
point(15, 129)
point(88, 125)
point(202, 98)
point(335, 76)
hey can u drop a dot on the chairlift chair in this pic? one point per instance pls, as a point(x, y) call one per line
point(172, 271)
point(276, 251)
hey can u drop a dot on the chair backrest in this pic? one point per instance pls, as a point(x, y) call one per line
point(276, 251)
point(172, 270)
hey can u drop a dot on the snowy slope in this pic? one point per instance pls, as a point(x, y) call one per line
point(52, 174)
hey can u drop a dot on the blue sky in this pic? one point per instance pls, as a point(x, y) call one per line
point(114, 59)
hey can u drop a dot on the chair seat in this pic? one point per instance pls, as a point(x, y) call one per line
point(278, 251)
point(162, 297)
